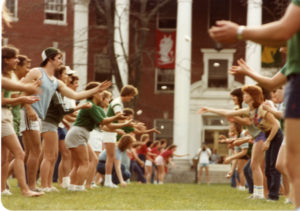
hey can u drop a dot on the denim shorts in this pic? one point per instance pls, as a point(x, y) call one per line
point(292, 97)
point(61, 133)
point(261, 137)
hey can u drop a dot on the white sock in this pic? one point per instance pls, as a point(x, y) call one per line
point(80, 187)
point(260, 191)
point(107, 179)
point(71, 187)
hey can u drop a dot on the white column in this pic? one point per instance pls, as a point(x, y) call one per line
point(253, 50)
point(121, 37)
point(182, 75)
point(80, 51)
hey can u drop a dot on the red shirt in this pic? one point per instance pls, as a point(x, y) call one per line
point(143, 150)
point(167, 154)
point(154, 150)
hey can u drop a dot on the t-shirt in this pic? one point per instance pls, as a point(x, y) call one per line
point(283, 69)
point(118, 154)
point(293, 59)
point(90, 118)
point(70, 103)
point(242, 146)
point(115, 106)
point(167, 154)
point(143, 150)
point(154, 150)
point(204, 155)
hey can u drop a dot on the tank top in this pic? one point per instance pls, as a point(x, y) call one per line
point(48, 88)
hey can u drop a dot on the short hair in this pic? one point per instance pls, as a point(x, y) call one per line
point(73, 78)
point(239, 94)
point(91, 85)
point(128, 90)
point(128, 111)
point(256, 93)
point(172, 146)
point(23, 59)
point(106, 94)
point(8, 52)
point(59, 72)
point(125, 141)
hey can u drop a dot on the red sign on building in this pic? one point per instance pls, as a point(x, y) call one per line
point(165, 49)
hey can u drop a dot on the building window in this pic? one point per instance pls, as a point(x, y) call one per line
point(12, 6)
point(216, 66)
point(219, 10)
point(166, 18)
point(100, 18)
point(165, 126)
point(217, 73)
point(102, 67)
point(164, 80)
point(55, 12)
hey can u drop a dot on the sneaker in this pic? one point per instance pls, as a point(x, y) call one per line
point(6, 192)
point(111, 185)
point(272, 200)
point(288, 201)
point(46, 190)
point(53, 189)
point(241, 188)
point(93, 185)
point(66, 182)
point(160, 183)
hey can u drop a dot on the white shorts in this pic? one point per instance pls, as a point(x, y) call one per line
point(148, 163)
point(109, 137)
point(159, 160)
point(7, 127)
point(26, 124)
point(96, 140)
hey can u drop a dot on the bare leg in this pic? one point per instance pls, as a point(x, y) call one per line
point(257, 158)
point(33, 140)
point(4, 166)
point(50, 148)
point(200, 174)
point(280, 166)
point(110, 152)
point(292, 134)
point(161, 172)
point(207, 174)
point(92, 166)
point(83, 164)
point(241, 163)
point(12, 143)
point(65, 163)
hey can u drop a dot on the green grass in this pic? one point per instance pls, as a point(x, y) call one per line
point(143, 197)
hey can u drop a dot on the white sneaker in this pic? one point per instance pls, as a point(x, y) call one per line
point(160, 183)
point(288, 201)
point(80, 188)
point(6, 192)
point(93, 185)
point(71, 187)
point(46, 190)
point(66, 182)
point(241, 188)
point(53, 189)
point(111, 185)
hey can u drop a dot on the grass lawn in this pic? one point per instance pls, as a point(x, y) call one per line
point(143, 197)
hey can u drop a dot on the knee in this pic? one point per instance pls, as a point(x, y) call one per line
point(36, 152)
point(20, 155)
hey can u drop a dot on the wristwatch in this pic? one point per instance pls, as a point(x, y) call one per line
point(240, 32)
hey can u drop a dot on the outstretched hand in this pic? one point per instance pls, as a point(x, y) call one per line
point(241, 69)
point(104, 85)
point(202, 110)
point(224, 32)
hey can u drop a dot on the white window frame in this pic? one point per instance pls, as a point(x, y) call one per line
point(157, 91)
point(210, 54)
point(56, 22)
point(14, 16)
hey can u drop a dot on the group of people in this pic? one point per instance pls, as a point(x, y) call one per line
point(280, 156)
point(96, 139)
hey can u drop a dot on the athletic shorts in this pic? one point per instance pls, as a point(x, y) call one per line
point(159, 160)
point(61, 133)
point(148, 163)
point(109, 137)
point(292, 97)
point(203, 164)
point(77, 136)
point(26, 124)
point(47, 127)
point(261, 136)
point(95, 140)
point(7, 127)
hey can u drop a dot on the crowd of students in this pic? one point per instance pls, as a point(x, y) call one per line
point(97, 140)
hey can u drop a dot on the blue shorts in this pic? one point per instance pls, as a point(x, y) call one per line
point(203, 164)
point(61, 133)
point(292, 97)
point(261, 136)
